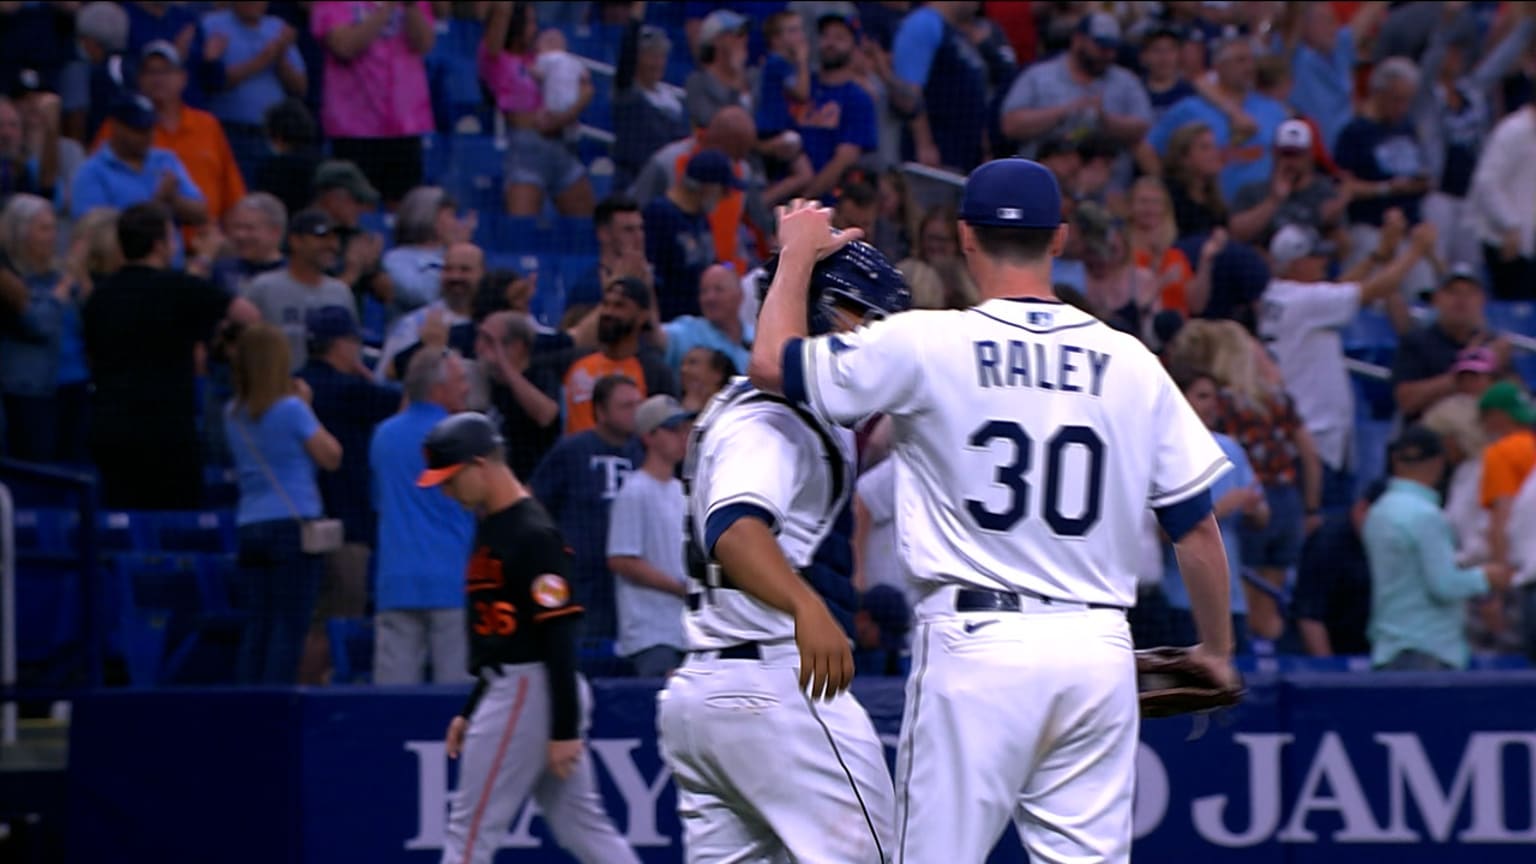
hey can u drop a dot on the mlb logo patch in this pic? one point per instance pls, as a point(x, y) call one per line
point(1012, 214)
point(1041, 319)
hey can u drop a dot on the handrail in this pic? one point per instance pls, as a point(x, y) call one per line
point(1367, 370)
point(598, 67)
point(7, 612)
point(920, 170)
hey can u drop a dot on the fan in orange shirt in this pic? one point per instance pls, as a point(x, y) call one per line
point(194, 136)
point(1507, 416)
point(622, 317)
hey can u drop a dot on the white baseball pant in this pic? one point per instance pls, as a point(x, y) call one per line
point(1028, 715)
point(765, 775)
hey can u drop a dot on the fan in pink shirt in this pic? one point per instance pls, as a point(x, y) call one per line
point(375, 103)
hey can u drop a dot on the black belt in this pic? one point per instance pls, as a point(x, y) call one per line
point(983, 600)
point(739, 651)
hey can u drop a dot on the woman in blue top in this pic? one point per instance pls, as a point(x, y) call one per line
point(277, 443)
point(43, 374)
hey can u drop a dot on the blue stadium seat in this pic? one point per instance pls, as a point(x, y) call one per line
point(205, 531)
point(377, 222)
point(214, 614)
point(576, 235)
point(49, 530)
point(1517, 316)
point(373, 319)
point(520, 235)
point(126, 531)
point(436, 157)
point(1371, 332)
point(153, 589)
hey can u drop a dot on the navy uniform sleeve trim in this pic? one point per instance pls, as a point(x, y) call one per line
point(729, 515)
point(1180, 518)
point(792, 373)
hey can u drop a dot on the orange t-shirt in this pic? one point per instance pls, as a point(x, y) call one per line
point(1173, 273)
point(582, 377)
point(1506, 464)
point(199, 142)
point(725, 219)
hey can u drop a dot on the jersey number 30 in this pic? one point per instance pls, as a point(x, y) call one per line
point(1013, 476)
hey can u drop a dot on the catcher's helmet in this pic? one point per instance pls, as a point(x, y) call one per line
point(858, 276)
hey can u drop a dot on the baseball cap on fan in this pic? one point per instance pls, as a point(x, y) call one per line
point(1295, 242)
point(455, 442)
point(659, 412)
point(1011, 193)
point(718, 23)
point(1102, 28)
point(1293, 135)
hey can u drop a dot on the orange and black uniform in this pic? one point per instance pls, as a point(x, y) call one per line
point(519, 609)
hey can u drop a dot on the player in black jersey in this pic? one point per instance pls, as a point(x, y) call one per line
point(520, 731)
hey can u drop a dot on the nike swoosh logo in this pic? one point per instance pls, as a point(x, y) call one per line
point(973, 626)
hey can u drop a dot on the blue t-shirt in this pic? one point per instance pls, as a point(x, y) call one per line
point(425, 537)
point(1321, 84)
point(691, 331)
point(773, 114)
point(1240, 477)
point(952, 74)
point(279, 438)
point(247, 101)
point(837, 114)
point(1375, 151)
point(1249, 162)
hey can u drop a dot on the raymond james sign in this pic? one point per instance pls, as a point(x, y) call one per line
point(1337, 768)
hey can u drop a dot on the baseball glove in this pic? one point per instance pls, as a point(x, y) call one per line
point(1170, 683)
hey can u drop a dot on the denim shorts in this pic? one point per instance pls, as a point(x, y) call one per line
point(535, 160)
point(1278, 544)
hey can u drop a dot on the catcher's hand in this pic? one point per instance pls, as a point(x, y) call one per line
point(1174, 681)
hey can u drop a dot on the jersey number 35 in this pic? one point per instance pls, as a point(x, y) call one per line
point(495, 619)
point(1014, 476)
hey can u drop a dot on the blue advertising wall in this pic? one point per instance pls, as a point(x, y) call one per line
point(1321, 768)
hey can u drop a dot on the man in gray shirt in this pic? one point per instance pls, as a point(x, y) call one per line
point(286, 296)
point(645, 543)
point(1079, 93)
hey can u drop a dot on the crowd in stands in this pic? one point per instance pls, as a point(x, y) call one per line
point(250, 252)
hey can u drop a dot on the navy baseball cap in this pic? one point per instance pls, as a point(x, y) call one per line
point(312, 222)
point(1102, 28)
point(455, 442)
point(329, 323)
point(1012, 193)
point(712, 166)
point(133, 111)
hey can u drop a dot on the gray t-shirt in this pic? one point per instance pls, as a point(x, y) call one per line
point(706, 94)
point(1048, 84)
point(646, 521)
point(1303, 207)
point(285, 303)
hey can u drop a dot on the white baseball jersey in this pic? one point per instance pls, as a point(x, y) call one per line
point(1300, 322)
point(750, 449)
point(1030, 440)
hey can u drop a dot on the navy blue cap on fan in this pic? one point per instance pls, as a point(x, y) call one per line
point(1011, 193)
point(712, 166)
point(132, 110)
